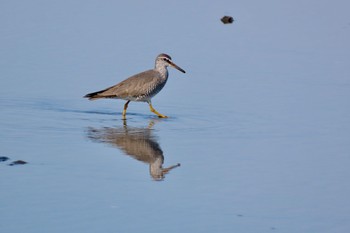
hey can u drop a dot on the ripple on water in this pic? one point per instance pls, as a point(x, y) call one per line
point(57, 115)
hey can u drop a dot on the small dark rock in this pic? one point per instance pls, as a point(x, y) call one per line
point(227, 19)
point(3, 158)
point(18, 162)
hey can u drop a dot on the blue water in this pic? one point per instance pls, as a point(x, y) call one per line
point(259, 123)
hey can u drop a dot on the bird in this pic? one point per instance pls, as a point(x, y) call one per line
point(141, 87)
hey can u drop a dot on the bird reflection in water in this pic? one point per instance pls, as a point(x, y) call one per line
point(138, 143)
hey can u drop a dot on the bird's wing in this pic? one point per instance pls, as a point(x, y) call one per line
point(134, 86)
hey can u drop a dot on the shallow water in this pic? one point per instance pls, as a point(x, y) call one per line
point(259, 123)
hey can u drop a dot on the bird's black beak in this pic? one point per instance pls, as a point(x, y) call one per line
point(172, 64)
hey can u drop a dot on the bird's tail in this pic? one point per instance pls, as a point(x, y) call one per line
point(94, 95)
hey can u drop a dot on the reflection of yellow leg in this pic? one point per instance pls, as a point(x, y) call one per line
point(150, 125)
point(125, 123)
point(125, 107)
point(155, 112)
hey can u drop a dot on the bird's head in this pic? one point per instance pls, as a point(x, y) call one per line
point(165, 60)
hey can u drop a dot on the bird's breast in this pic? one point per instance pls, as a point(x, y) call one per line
point(150, 91)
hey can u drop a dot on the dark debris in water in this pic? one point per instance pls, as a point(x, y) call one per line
point(4, 159)
point(18, 162)
point(227, 19)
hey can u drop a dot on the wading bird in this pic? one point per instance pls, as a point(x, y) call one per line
point(141, 87)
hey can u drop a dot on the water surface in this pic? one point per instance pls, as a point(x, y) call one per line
point(259, 123)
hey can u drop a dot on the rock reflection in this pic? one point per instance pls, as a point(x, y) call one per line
point(139, 143)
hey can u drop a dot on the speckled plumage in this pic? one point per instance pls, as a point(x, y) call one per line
point(140, 87)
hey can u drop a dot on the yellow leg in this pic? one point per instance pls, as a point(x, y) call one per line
point(155, 112)
point(124, 110)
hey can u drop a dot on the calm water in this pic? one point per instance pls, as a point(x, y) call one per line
point(258, 134)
